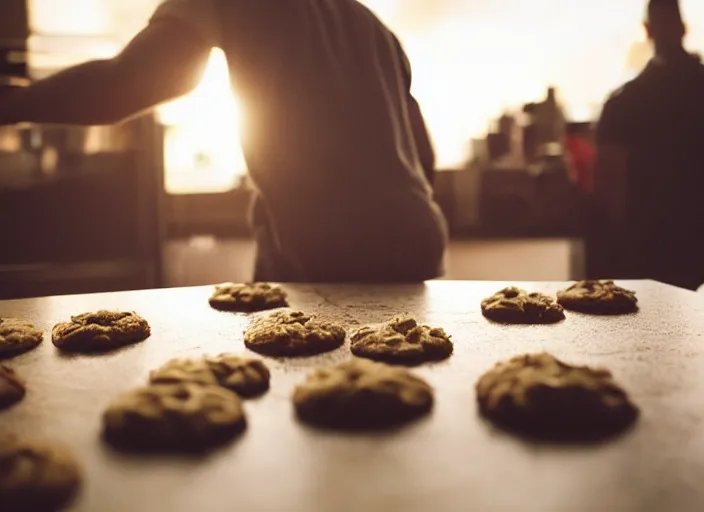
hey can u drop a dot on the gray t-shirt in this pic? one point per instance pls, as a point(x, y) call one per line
point(327, 139)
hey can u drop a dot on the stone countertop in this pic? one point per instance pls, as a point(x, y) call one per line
point(452, 461)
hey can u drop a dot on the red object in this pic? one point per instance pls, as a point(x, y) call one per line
point(582, 156)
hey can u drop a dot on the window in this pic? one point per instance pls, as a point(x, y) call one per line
point(472, 60)
point(201, 150)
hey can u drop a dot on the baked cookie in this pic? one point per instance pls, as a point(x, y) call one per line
point(515, 306)
point(402, 340)
point(17, 336)
point(540, 396)
point(36, 476)
point(12, 388)
point(100, 332)
point(362, 394)
point(177, 371)
point(182, 417)
point(245, 376)
point(598, 297)
point(247, 297)
point(292, 334)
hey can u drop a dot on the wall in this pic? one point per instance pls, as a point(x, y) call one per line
point(471, 58)
point(474, 58)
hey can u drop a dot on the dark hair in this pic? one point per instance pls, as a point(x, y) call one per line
point(674, 5)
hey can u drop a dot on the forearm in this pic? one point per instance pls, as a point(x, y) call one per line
point(87, 94)
point(164, 61)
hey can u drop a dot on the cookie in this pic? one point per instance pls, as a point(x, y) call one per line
point(247, 297)
point(362, 394)
point(543, 397)
point(402, 340)
point(183, 417)
point(292, 334)
point(100, 332)
point(17, 336)
point(598, 297)
point(12, 388)
point(36, 476)
point(515, 306)
point(176, 371)
point(245, 376)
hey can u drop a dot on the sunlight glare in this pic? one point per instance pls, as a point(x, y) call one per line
point(471, 59)
point(203, 134)
point(470, 65)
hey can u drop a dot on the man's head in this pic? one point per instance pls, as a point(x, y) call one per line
point(664, 25)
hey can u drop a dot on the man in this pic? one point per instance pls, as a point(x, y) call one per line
point(335, 144)
point(649, 177)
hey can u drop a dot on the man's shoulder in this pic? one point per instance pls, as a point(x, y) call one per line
point(618, 94)
point(354, 11)
point(201, 15)
point(616, 115)
point(359, 7)
point(625, 92)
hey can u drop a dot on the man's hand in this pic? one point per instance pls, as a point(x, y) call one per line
point(165, 61)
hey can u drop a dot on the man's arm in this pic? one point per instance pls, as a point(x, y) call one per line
point(165, 61)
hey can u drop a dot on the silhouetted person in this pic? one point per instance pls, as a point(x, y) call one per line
point(335, 144)
point(649, 178)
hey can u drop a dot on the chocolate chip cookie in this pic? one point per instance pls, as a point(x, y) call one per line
point(101, 331)
point(247, 297)
point(245, 376)
point(362, 394)
point(176, 371)
point(515, 306)
point(36, 476)
point(293, 334)
point(183, 417)
point(12, 389)
point(18, 336)
point(598, 297)
point(402, 340)
point(540, 396)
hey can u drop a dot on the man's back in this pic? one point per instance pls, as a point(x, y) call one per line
point(325, 80)
point(327, 139)
point(658, 119)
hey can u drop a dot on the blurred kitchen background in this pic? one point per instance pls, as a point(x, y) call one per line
point(161, 201)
